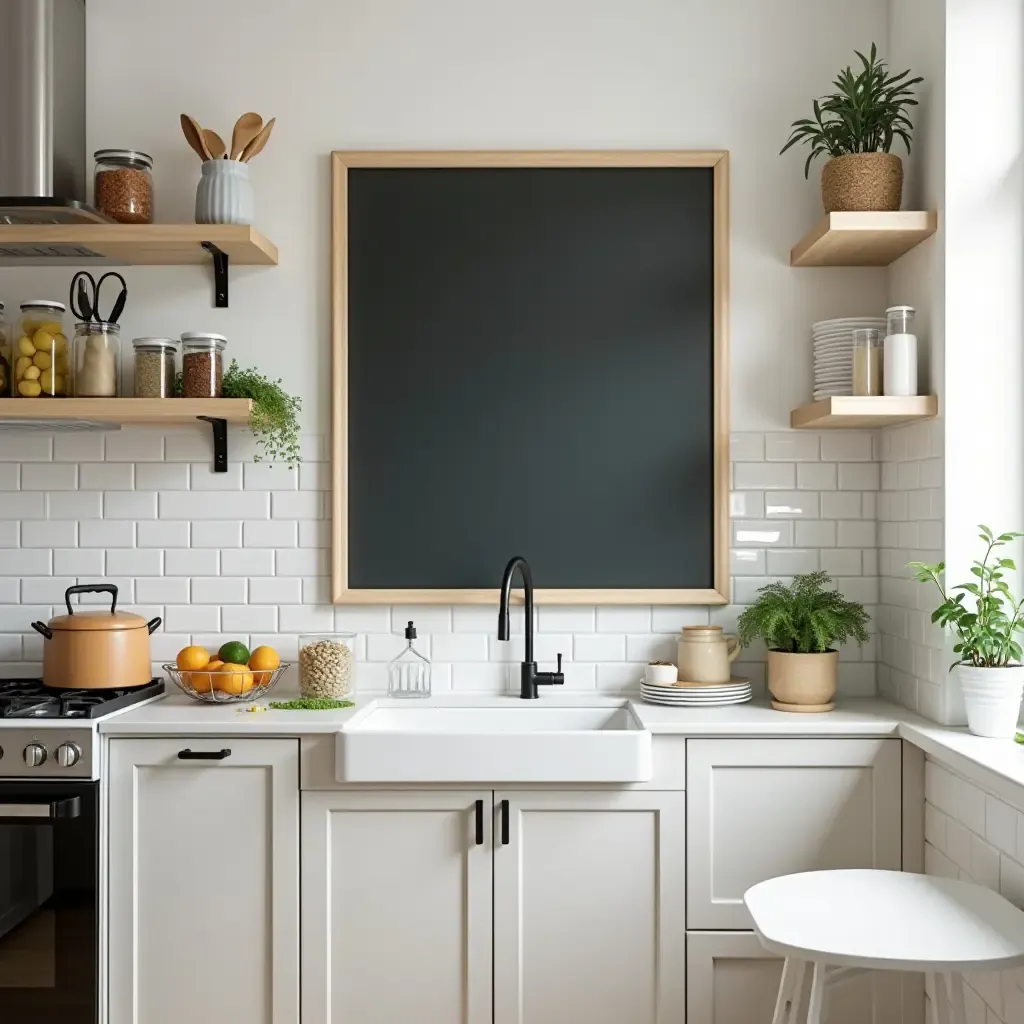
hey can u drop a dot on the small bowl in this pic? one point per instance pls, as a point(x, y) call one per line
point(199, 683)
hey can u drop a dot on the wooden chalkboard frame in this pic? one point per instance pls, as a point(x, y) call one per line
point(341, 161)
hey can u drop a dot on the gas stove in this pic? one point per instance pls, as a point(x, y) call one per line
point(47, 733)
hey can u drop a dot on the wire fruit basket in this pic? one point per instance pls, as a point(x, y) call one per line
point(236, 686)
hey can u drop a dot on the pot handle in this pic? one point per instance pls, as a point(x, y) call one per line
point(45, 630)
point(92, 588)
point(153, 624)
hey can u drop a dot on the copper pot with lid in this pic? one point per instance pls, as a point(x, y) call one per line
point(101, 650)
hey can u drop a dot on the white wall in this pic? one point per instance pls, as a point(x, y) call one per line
point(449, 74)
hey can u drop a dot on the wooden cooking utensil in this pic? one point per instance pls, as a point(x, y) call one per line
point(194, 136)
point(247, 127)
point(214, 143)
point(258, 142)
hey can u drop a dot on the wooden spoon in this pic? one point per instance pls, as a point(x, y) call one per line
point(258, 142)
point(214, 143)
point(194, 135)
point(247, 127)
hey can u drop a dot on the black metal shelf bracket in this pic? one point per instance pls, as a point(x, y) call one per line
point(220, 274)
point(220, 442)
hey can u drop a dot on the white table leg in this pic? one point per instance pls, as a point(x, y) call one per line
point(941, 998)
point(796, 992)
point(817, 993)
point(789, 971)
point(956, 998)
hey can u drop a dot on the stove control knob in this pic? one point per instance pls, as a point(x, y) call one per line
point(1, 753)
point(35, 755)
point(69, 754)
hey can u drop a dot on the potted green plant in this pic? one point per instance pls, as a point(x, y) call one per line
point(802, 625)
point(988, 664)
point(857, 126)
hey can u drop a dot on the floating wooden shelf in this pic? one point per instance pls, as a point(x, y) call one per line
point(862, 239)
point(140, 245)
point(849, 412)
point(218, 412)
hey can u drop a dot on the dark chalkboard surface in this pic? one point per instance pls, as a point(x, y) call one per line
point(531, 370)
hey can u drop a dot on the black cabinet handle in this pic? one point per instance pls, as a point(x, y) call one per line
point(203, 755)
point(504, 823)
point(479, 822)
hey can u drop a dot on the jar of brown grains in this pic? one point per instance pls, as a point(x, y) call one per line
point(154, 367)
point(124, 185)
point(202, 364)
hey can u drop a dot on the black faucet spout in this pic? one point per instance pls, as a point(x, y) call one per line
point(530, 678)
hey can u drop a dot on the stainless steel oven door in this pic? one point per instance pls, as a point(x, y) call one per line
point(49, 845)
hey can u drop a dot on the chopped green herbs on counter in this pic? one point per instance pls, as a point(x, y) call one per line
point(1019, 738)
point(311, 704)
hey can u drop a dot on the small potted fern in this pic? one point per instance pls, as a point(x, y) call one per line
point(802, 625)
point(856, 126)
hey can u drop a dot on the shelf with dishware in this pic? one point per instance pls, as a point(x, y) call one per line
point(141, 245)
point(863, 239)
point(218, 412)
point(863, 412)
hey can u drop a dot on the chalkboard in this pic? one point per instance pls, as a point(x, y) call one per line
point(533, 365)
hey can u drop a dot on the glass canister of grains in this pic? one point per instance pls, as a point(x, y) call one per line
point(155, 366)
point(5, 356)
point(97, 364)
point(123, 185)
point(327, 664)
point(42, 356)
point(202, 364)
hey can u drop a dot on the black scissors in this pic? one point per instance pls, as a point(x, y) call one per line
point(87, 307)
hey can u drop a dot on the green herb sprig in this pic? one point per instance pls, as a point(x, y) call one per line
point(274, 417)
point(311, 704)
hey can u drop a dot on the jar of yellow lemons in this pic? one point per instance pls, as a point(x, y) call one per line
point(41, 356)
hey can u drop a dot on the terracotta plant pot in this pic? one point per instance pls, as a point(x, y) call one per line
point(862, 181)
point(803, 682)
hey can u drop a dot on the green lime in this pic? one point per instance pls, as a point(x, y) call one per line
point(234, 651)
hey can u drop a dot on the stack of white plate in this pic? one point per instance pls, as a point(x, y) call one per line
point(833, 353)
point(693, 695)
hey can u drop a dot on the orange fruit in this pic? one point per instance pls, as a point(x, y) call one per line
point(234, 679)
point(265, 659)
point(193, 657)
point(215, 665)
point(201, 682)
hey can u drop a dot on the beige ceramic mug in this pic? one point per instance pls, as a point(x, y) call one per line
point(706, 654)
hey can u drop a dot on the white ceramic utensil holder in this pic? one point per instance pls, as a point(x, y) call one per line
point(224, 195)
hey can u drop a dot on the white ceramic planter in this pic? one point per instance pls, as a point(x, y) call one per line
point(224, 195)
point(992, 698)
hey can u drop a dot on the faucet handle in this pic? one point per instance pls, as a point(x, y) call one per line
point(559, 670)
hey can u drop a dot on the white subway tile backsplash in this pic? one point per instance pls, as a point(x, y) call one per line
point(135, 562)
point(816, 476)
point(315, 589)
point(269, 476)
point(314, 533)
point(763, 476)
point(10, 476)
point(10, 533)
point(859, 476)
point(846, 446)
point(841, 505)
point(840, 561)
point(162, 534)
point(315, 476)
point(275, 590)
point(746, 505)
point(672, 618)
point(652, 647)
point(215, 534)
point(246, 618)
point(561, 619)
point(815, 534)
point(27, 562)
point(297, 505)
point(106, 533)
point(106, 476)
point(25, 446)
point(129, 505)
point(83, 505)
point(162, 476)
point(458, 647)
point(429, 619)
point(77, 447)
point(49, 533)
point(791, 561)
point(227, 505)
point(624, 619)
point(746, 561)
point(769, 533)
point(22, 505)
point(14, 618)
point(134, 445)
point(858, 533)
point(76, 562)
point(203, 477)
point(247, 562)
point(305, 619)
point(196, 562)
point(223, 590)
point(746, 448)
point(301, 562)
point(792, 447)
point(791, 505)
point(270, 533)
point(45, 589)
point(162, 590)
point(191, 618)
point(599, 647)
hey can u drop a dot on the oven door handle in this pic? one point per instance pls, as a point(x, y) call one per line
point(56, 810)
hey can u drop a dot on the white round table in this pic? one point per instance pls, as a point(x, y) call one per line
point(843, 923)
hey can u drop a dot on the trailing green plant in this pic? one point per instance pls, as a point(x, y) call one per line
point(986, 633)
point(274, 416)
point(866, 114)
point(804, 618)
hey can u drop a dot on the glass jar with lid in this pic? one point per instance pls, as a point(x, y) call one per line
point(327, 665)
point(155, 366)
point(41, 353)
point(123, 186)
point(202, 364)
point(5, 356)
point(97, 362)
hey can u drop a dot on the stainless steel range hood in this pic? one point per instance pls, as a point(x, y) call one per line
point(42, 113)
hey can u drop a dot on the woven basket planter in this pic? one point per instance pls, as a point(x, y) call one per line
point(862, 181)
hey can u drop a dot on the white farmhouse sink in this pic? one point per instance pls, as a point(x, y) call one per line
point(504, 740)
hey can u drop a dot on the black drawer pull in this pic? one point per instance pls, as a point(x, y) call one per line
point(504, 823)
point(479, 822)
point(203, 755)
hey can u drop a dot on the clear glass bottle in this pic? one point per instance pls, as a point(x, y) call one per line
point(154, 367)
point(41, 354)
point(123, 185)
point(409, 673)
point(6, 368)
point(202, 364)
point(867, 362)
point(97, 363)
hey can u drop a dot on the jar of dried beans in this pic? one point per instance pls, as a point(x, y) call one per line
point(154, 367)
point(124, 185)
point(202, 364)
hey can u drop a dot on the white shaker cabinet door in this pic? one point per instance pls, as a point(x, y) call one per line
point(589, 907)
point(759, 808)
point(396, 907)
point(204, 894)
point(731, 979)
